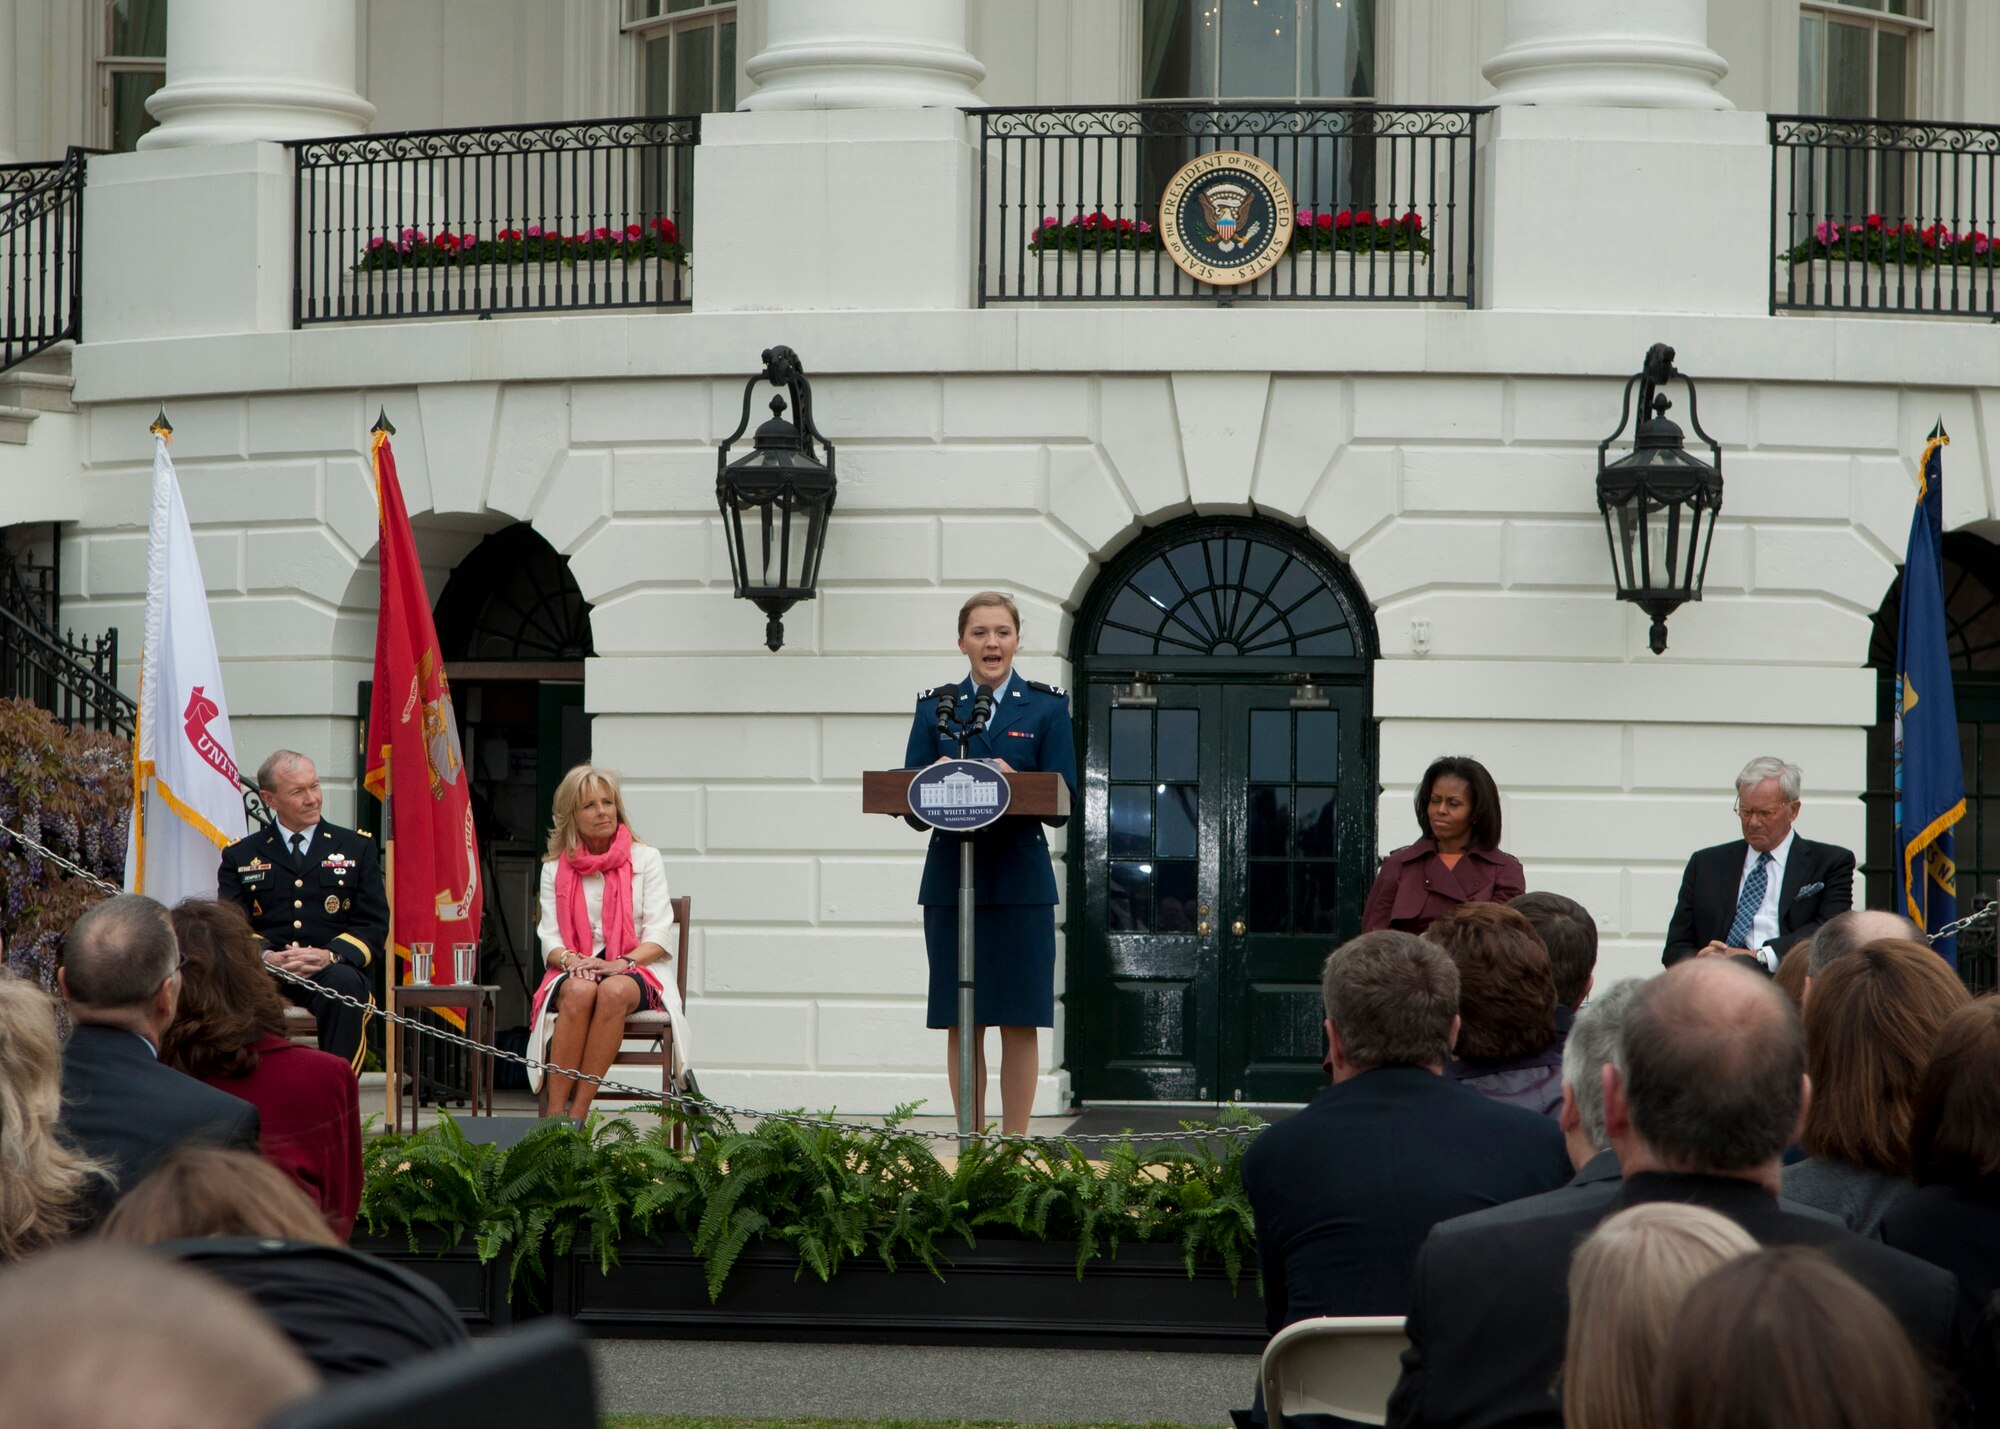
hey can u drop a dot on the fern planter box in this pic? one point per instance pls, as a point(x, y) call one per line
point(478, 1292)
point(1002, 1292)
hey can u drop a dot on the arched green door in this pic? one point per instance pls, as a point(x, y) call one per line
point(1227, 832)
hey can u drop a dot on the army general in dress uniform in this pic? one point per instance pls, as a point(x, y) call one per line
point(1013, 882)
point(313, 890)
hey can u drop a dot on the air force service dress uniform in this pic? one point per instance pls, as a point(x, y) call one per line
point(329, 896)
point(1013, 881)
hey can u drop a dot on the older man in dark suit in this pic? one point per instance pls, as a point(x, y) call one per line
point(1345, 1190)
point(1755, 896)
point(121, 978)
point(1708, 1090)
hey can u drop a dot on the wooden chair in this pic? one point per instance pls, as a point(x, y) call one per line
point(654, 1030)
point(1334, 1365)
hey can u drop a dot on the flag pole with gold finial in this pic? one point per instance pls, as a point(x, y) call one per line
point(392, 969)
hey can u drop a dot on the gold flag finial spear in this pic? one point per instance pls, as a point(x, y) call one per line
point(161, 427)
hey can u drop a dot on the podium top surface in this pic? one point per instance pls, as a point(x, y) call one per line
point(1037, 794)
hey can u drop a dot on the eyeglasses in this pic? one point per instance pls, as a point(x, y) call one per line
point(180, 966)
point(1762, 815)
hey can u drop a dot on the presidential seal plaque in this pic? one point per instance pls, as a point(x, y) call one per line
point(1226, 218)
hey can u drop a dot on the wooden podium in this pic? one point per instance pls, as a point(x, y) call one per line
point(1034, 795)
point(1042, 796)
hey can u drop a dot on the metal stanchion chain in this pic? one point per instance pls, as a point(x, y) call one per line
point(1970, 920)
point(688, 1102)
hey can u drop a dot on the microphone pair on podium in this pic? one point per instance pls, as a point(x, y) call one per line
point(982, 710)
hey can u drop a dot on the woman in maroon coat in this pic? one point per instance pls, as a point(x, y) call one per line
point(1458, 859)
point(229, 1032)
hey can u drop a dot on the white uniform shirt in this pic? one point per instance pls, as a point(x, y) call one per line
point(1764, 925)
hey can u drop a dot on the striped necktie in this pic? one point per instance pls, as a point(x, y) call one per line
point(1749, 901)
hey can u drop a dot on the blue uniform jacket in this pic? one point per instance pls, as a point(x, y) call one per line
point(1030, 730)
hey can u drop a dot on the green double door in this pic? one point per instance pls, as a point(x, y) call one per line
point(1224, 852)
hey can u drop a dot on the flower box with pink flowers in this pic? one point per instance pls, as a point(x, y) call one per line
point(447, 273)
point(1893, 267)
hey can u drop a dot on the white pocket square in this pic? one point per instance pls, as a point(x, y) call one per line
point(1810, 889)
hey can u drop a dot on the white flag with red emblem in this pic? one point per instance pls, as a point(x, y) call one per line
point(187, 805)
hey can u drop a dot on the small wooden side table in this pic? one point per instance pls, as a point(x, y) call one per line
point(482, 1012)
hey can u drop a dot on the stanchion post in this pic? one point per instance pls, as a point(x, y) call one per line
point(968, 1029)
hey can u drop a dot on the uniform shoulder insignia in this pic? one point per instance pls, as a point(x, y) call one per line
point(937, 690)
point(1057, 690)
point(365, 833)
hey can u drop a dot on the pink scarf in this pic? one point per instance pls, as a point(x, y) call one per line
point(573, 914)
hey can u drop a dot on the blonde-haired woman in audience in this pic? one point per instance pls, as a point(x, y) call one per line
point(1625, 1284)
point(45, 1187)
point(607, 934)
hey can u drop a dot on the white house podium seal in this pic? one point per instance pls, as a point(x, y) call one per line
point(1226, 218)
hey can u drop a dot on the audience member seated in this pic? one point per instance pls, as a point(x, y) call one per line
point(1625, 1284)
point(1952, 1218)
point(1871, 1024)
point(1843, 933)
point(1785, 1339)
point(121, 979)
point(1791, 976)
point(230, 1033)
point(1593, 1042)
point(1507, 1048)
point(100, 1335)
point(1569, 934)
point(1344, 1190)
point(1456, 859)
point(45, 1186)
point(1706, 1093)
point(237, 1217)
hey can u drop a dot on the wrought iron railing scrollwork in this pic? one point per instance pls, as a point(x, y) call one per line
point(75, 680)
point(1872, 215)
point(474, 222)
point(41, 255)
point(1069, 201)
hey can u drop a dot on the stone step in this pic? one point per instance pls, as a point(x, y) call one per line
point(42, 383)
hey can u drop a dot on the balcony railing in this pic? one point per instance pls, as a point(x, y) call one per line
point(41, 246)
point(1069, 202)
point(1884, 217)
point(473, 222)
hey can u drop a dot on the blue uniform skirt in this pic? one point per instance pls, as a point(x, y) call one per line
point(1014, 969)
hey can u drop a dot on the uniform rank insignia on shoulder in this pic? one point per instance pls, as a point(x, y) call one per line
point(364, 833)
point(936, 691)
point(1057, 690)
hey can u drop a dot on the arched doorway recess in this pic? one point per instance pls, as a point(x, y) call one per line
point(514, 631)
point(1972, 616)
point(1227, 836)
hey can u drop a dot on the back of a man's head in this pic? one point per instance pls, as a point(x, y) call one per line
point(1713, 1062)
point(1593, 1042)
point(1844, 932)
point(1391, 998)
point(118, 953)
point(97, 1334)
point(1569, 933)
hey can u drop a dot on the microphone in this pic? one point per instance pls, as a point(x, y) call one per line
point(947, 703)
point(982, 709)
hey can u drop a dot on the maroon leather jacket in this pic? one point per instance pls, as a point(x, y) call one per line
point(1415, 888)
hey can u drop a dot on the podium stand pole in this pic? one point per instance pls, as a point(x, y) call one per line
point(968, 1030)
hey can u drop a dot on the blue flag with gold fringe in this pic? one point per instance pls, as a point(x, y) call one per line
point(1930, 779)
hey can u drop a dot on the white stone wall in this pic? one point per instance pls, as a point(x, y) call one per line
point(1017, 449)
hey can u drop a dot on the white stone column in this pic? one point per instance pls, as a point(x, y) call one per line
point(241, 70)
point(13, 59)
point(1629, 54)
point(863, 54)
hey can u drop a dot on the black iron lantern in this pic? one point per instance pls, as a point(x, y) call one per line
point(1659, 500)
point(775, 498)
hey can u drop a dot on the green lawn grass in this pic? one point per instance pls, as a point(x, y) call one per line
point(677, 1421)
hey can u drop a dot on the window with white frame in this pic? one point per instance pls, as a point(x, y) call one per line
point(129, 64)
point(1258, 49)
point(1858, 58)
point(687, 54)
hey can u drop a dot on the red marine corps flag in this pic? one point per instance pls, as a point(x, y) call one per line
point(414, 764)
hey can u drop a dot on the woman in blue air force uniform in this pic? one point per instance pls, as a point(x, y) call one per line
point(1013, 883)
